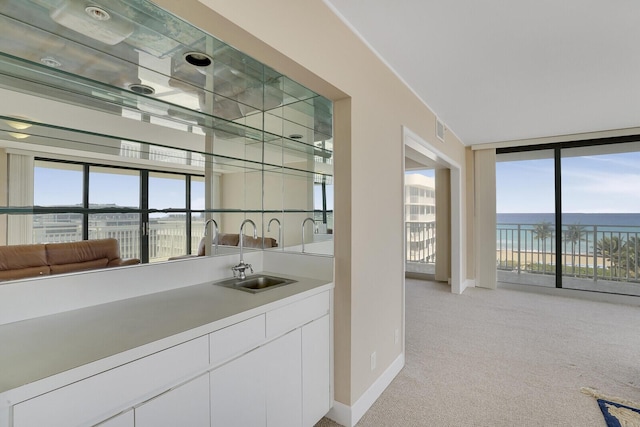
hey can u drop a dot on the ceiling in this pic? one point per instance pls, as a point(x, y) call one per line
point(499, 70)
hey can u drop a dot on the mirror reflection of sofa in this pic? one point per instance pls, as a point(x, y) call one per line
point(230, 239)
point(24, 261)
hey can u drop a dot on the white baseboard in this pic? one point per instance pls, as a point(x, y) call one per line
point(348, 416)
point(469, 283)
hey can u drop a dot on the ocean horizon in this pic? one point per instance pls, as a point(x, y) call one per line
point(585, 219)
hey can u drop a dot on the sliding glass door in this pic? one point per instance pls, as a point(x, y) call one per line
point(525, 230)
point(568, 216)
point(601, 218)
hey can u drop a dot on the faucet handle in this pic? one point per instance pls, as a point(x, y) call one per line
point(250, 268)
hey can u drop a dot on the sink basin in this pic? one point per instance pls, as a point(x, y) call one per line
point(254, 284)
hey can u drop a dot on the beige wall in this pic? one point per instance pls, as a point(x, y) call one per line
point(443, 225)
point(308, 43)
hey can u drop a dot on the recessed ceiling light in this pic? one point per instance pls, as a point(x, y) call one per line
point(97, 13)
point(51, 62)
point(18, 124)
point(142, 89)
point(17, 135)
point(198, 59)
point(295, 136)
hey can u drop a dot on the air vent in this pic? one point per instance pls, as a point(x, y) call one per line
point(440, 129)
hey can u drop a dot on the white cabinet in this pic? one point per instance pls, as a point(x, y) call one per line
point(316, 370)
point(270, 370)
point(122, 420)
point(94, 399)
point(283, 370)
point(238, 393)
point(186, 405)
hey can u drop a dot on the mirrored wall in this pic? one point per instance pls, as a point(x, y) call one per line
point(121, 120)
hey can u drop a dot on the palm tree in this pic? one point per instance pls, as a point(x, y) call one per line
point(543, 231)
point(609, 249)
point(574, 235)
point(630, 253)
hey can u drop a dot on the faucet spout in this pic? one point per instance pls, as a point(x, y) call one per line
point(241, 267)
point(215, 236)
point(315, 229)
point(279, 230)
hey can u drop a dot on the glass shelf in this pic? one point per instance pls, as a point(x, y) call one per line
point(34, 136)
point(150, 51)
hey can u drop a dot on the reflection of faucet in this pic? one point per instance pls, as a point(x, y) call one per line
point(215, 237)
point(241, 267)
point(279, 230)
point(315, 229)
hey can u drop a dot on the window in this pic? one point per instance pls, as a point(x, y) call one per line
point(579, 224)
point(148, 212)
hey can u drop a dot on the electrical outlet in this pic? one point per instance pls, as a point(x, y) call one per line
point(373, 360)
point(396, 336)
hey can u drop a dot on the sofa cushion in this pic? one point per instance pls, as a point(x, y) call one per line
point(79, 266)
point(82, 251)
point(250, 242)
point(228, 239)
point(16, 257)
point(23, 273)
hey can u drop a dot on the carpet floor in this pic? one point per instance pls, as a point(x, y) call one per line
point(508, 358)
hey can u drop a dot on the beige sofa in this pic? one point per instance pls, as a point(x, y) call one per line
point(23, 261)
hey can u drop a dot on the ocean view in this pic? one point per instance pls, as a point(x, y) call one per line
point(585, 219)
point(519, 232)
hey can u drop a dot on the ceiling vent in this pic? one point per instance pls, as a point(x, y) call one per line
point(440, 129)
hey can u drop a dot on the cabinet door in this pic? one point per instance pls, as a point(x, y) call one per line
point(123, 420)
point(316, 370)
point(237, 392)
point(284, 381)
point(186, 405)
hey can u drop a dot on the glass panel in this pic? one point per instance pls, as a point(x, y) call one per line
point(601, 223)
point(57, 227)
point(132, 96)
point(420, 221)
point(57, 184)
point(197, 203)
point(124, 227)
point(113, 188)
point(525, 197)
point(167, 230)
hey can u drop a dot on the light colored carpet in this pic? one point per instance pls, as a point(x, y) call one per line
point(508, 358)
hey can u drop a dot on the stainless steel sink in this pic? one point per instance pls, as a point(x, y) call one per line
point(255, 284)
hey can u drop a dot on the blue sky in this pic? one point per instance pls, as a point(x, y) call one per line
point(591, 184)
point(64, 187)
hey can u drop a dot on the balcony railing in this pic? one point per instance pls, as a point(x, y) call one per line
point(592, 252)
point(421, 242)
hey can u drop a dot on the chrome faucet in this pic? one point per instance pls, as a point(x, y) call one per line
point(241, 267)
point(315, 229)
point(279, 230)
point(215, 237)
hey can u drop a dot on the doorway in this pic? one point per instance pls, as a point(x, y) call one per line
point(421, 155)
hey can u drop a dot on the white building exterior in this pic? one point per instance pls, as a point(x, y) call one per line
point(420, 217)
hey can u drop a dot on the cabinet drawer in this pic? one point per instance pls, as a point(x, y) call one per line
point(236, 339)
point(187, 405)
point(296, 314)
point(96, 398)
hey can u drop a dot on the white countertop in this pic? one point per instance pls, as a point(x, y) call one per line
point(40, 348)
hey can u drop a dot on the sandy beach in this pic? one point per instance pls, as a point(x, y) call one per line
point(527, 257)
